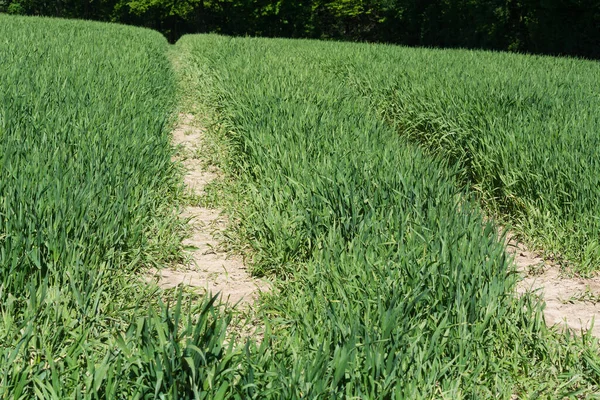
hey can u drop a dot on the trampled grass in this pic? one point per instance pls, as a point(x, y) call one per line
point(396, 287)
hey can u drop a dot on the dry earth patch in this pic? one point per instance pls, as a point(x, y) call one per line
point(571, 302)
point(209, 267)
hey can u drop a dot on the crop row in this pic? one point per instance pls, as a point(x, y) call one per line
point(522, 129)
point(395, 285)
point(87, 197)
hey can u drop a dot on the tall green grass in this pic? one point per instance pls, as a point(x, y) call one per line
point(85, 155)
point(87, 197)
point(393, 283)
point(395, 286)
point(524, 131)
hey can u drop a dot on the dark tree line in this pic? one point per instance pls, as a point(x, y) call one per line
point(561, 27)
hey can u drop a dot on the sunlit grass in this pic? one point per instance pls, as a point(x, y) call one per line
point(87, 198)
point(393, 283)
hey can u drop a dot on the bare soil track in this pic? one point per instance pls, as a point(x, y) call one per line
point(209, 267)
point(571, 303)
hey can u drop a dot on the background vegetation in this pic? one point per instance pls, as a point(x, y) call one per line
point(567, 27)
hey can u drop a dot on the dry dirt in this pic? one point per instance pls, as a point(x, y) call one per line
point(209, 267)
point(570, 302)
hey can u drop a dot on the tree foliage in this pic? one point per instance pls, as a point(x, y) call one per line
point(564, 27)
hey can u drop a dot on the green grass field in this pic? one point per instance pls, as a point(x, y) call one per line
point(396, 287)
point(365, 179)
point(87, 197)
point(524, 131)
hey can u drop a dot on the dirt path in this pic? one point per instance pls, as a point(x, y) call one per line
point(570, 302)
point(209, 267)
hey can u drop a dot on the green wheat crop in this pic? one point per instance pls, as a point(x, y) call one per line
point(87, 196)
point(391, 280)
point(524, 130)
point(394, 285)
